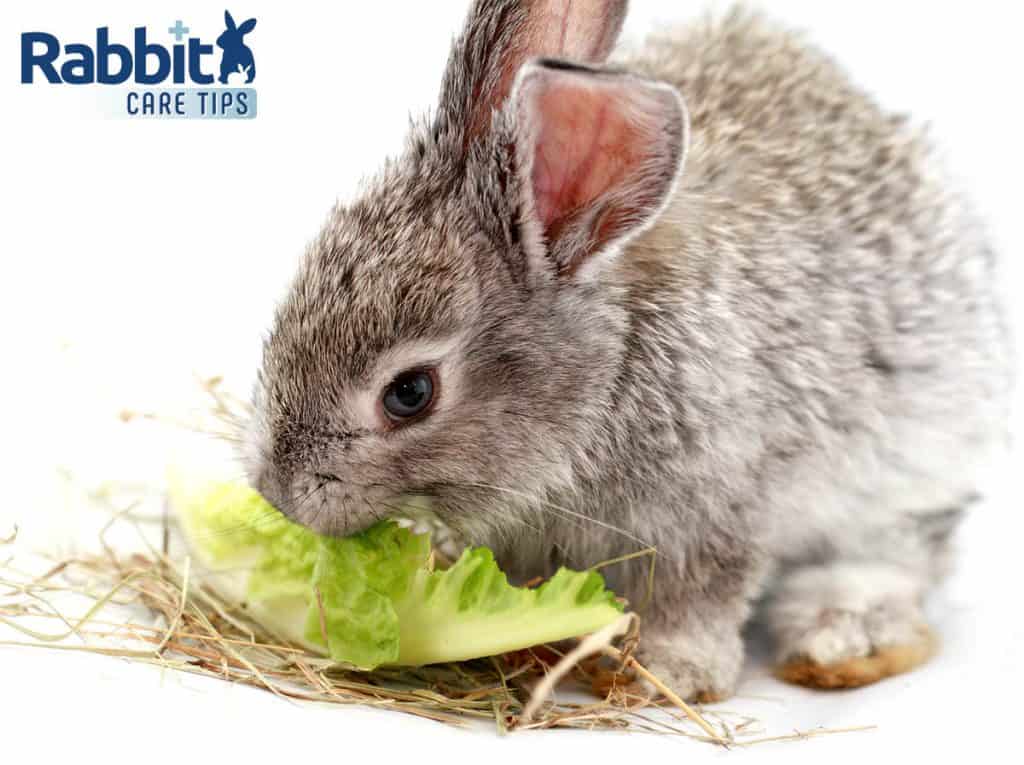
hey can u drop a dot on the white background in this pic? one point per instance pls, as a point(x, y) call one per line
point(137, 254)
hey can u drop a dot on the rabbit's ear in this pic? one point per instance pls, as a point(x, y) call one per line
point(597, 155)
point(247, 26)
point(228, 21)
point(501, 35)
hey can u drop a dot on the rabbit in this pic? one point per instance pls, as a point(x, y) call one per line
point(238, 77)
point(237, 55)
point(703, 297)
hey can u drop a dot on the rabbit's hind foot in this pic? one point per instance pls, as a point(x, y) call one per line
point(847, 625)
point(857, 671)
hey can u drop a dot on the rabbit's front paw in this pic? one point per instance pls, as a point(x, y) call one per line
point(692, 669)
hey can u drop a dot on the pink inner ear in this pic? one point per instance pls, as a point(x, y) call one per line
point(584, 30)
point(581, 30)
point(589, 142)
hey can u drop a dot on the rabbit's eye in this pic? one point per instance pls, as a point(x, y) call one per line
point(409, 395)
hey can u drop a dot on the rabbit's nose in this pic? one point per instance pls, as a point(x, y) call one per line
point(267, 481)
point(326, 478)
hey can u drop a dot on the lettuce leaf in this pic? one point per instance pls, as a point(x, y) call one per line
point(375, 598)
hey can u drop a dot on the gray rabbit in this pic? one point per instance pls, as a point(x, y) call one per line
point(711, 300)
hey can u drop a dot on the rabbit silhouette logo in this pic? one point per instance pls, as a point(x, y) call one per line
point(237, 61)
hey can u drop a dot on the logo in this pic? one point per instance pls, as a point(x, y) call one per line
point(187, 64)
point(237, 57)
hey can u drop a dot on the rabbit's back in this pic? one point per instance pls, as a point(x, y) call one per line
point(828, 273)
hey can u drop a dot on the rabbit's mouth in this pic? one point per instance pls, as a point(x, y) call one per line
point(328, 508)
point(417, 514)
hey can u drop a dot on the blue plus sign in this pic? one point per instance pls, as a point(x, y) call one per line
point(178, 30)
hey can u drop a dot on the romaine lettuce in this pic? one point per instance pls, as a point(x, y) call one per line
point(375, 598)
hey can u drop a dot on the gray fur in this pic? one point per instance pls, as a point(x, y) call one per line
point(781, 380)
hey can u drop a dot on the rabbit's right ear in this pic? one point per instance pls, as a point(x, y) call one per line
point(597, 155)
point(228, 21)
point(501, 35)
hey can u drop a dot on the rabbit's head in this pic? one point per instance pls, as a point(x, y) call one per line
point(232, 35)
point(457, 331)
